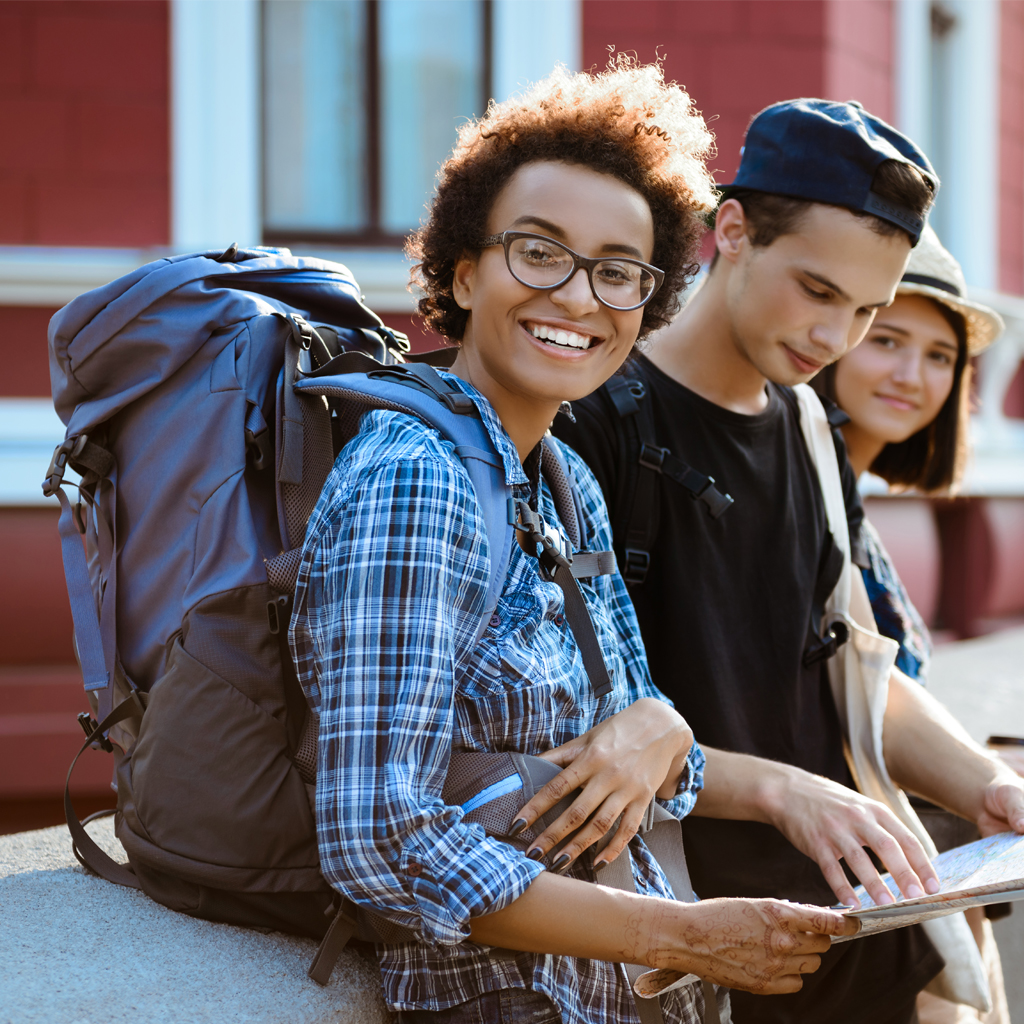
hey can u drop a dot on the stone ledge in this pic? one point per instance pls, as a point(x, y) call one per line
point(75, 949)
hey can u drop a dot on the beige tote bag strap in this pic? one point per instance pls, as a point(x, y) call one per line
point(860, 674)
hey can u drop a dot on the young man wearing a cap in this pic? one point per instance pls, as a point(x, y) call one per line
point(812, 238)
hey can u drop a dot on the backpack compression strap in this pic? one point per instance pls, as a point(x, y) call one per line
point(83, 846)
point(627, 396)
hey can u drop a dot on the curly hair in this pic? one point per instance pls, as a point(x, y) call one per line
point(626, 122)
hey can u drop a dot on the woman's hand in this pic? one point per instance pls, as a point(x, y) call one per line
point(619, 765)
point(759, 946)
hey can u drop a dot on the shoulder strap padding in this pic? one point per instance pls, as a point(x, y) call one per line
point(466, 432)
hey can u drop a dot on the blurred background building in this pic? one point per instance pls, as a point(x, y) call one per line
point(131, 130)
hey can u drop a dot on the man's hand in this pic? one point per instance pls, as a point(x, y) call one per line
point(760, 946)
point(619, 765)
point(929, 752)
point(822, 819)
point(1003, 805)
point(827, 821)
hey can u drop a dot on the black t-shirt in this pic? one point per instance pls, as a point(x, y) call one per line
point(726, 611)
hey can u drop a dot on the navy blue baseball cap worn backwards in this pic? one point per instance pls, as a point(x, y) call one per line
point(828, 152)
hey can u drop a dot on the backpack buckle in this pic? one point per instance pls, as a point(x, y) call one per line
point(637, 564)
point(278, 613)
point(68, 449)
point(715, 501)
point(88, 724)
point(826, 646)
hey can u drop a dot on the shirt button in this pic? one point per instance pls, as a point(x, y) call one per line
point(415, 870)
point(495, 621)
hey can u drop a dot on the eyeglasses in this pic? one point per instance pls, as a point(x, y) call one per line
point(542, 263)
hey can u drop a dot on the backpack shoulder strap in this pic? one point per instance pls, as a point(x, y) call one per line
point(628, 394)
point(637, 519)
point(417, 389)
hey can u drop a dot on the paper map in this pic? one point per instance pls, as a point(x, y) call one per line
point(988, 871)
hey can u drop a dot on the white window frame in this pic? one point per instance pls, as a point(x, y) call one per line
point(970, 185)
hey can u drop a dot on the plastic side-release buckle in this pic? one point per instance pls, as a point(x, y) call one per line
point(68, 449)
point(88, 724)
point(715, 501)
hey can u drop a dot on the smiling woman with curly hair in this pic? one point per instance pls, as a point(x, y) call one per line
point(627, 123)
point(563, 226)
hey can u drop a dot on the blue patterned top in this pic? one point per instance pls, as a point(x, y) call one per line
point(895, 614)
point(393, 578)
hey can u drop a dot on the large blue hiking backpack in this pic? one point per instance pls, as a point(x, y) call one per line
point(206, 397)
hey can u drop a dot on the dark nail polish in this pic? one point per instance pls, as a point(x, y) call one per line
point(535, 854)
point(561, 862)
point(519, 825)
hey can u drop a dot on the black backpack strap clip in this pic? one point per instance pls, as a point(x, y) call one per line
point(820, 648)
point(627, 394)
point(424, 377)
point(700, 487)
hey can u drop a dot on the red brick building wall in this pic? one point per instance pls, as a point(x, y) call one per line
point(84, 119)
point(735, 57)
point(1011, 153)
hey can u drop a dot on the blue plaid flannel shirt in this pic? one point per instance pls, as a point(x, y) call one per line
point(390, 590)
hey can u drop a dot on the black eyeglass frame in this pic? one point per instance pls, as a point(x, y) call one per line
point(506, 238)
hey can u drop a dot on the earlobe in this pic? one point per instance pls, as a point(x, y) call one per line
point(462, 282)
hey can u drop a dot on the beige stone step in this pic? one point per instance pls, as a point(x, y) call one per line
point(75, 949)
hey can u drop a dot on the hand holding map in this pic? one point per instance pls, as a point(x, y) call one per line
point(990, 870)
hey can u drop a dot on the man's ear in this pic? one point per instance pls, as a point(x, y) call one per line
point(731, 230)
point(463, 281)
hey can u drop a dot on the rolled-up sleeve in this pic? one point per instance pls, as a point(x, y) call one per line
point(393, 587)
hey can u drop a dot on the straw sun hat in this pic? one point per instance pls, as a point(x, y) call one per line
point(933, 272)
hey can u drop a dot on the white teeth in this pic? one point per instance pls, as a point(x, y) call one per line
point(566, 339)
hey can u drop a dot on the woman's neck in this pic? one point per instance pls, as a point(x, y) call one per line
point(525, 419)
point(862, 447)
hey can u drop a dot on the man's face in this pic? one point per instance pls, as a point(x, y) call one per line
point(808, 298)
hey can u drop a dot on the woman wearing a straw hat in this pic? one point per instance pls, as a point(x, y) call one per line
point(905, 388)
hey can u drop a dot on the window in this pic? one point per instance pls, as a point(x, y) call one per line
point(362, 100)
point(942, 39)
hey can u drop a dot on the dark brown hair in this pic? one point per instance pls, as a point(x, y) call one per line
point(770, 216)
point(626, 122)
point(933, 458)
